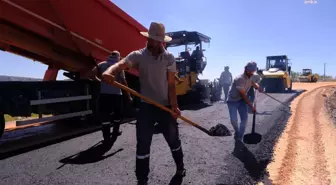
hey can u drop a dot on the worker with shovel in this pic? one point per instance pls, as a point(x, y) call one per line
point(238, 100)
point(157, 69)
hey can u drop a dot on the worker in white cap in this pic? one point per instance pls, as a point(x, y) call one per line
point(226, 81)
point(238, 101)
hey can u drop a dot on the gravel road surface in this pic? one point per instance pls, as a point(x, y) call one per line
point(305, 152)
point(209, 160)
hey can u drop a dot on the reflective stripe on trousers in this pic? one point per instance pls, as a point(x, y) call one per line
point(241, 108)
point(142, 156)
point(148, 116)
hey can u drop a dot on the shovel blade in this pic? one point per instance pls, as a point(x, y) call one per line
point(252, 138)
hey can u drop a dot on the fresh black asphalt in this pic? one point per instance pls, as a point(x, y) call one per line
point(209, 160)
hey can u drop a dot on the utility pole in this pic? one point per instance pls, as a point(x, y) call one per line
point(324, 72)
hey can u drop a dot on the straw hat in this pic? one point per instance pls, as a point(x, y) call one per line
point(157, 32)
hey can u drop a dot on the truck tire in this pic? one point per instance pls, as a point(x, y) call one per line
point(2, 125)
point(314, 79)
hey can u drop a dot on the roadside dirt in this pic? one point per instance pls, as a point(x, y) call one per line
point(304, 154)
point(331, 105)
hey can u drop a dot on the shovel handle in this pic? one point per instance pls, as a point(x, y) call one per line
point(254, 113)
point(253, 123)
point(276, 100)
point(109, 79)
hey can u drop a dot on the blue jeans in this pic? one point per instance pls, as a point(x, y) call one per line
point(226, 88)
point(240, 107)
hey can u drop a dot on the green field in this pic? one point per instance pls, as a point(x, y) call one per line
point(10, 118)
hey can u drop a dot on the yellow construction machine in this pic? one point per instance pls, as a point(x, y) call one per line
point(276, 78)
point(308, 76)
point(190, 89)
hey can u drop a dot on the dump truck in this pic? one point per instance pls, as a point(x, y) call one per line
point(308, 76)
point(51, 33)
point(276, 77)
point(191, 89)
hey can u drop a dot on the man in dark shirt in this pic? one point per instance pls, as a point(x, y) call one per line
point(110, 101)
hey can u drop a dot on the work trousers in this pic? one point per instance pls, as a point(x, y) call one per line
point(110, 113)
point(149, 115)
point(241, 108)
point(226, 88)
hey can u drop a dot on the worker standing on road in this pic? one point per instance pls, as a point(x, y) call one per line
point(251, 92)
point(238, 100)
point(110, 99)
point(157, 69)
point(226, 81)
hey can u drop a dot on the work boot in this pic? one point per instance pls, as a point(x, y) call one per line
point(142, 183)
point(116, 133)
point(181, 172)
point(237, 137)
point(142, 170)
point(106, 130)
point(116, 129)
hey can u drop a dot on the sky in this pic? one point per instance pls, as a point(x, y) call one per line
point(240, 30)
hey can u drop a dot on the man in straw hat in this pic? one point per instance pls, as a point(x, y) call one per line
point(157, 69)
point(238, 100)
point(110, 99)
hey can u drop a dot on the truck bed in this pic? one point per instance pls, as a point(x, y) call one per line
point(69, 35)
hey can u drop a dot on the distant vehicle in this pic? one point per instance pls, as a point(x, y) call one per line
point(276, 78)
point(191, 89)
point(308, 76)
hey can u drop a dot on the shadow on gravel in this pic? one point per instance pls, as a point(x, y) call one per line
point(91, 155)
point(290, 92)
point(251, 164)
point(65, 130)
point(195, 106)
point(264, 113)
point(45, 139)
point(176, 180)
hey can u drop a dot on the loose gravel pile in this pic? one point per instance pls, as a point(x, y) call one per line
point(220, 130)
point(331, 105)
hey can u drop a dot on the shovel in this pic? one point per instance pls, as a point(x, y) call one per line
point(218, 130)
point(253, 137)
point(277, 100)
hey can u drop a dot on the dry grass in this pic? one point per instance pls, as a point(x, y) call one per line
point(10, 118)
